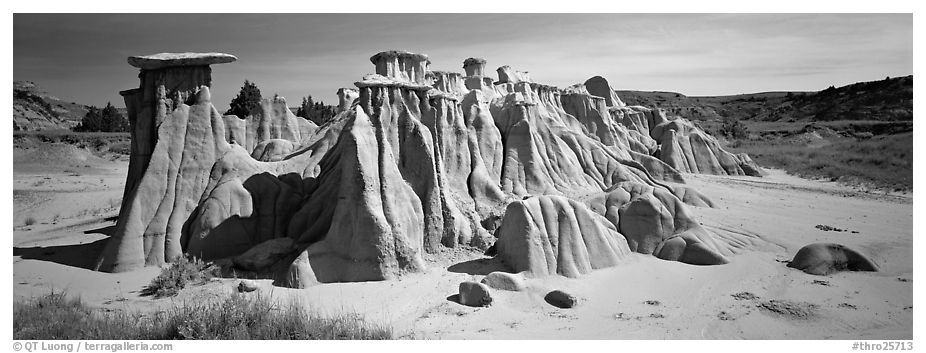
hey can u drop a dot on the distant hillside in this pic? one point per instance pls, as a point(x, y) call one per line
point(34, 109)
point(890, 99)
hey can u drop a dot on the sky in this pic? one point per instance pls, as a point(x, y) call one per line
point(82, 57)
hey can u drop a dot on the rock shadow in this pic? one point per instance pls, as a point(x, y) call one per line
point(107, 231)
point(481, 266)
point(454, 298)
point(77, 255)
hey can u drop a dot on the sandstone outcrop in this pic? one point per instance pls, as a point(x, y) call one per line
point(508, 75)
point(677, 143)
point(826, 258)
point(402, 65)
point(600, 87)
point(272, 120)
point(177, 135)
point(546, 235)
point(689, 149)
point(346, 98)
point(416, 160)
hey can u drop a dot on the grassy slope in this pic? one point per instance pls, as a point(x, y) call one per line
point(867, 129)
point(883, 161)
point(29, 99)
point(55, 316)
point(886, 100)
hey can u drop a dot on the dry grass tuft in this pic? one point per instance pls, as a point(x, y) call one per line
point(55, 316)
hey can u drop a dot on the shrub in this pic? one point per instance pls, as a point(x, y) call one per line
point(29, 221)
point(174, 277)
point(733, 128)
point(55, 316)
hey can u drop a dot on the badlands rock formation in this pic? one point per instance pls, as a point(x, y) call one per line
point(563, 181)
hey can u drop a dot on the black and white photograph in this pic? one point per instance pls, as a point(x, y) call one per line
point(461, 176)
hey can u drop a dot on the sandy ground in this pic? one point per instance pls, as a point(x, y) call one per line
point(71, 209)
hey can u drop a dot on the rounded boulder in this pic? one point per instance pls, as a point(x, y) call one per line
point(561, 299)
point(826, 258)
point(474, 294)
point(505, 281)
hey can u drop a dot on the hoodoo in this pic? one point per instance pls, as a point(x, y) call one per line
point(401, 65)
point(174, 128)
point(508, 75)
point(474, 66)
point(346, 97)
point(562, 181)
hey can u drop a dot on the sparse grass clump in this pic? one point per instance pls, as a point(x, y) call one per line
point(186, 270)
point(54, 316)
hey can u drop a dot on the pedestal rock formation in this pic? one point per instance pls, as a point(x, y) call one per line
point(176, 134)
point(562, 181)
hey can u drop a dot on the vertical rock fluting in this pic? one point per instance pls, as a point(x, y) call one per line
point(508, 75)
point(159, 92)
point(474, 67)
point(414, 161)
point(270, 132)
point(679, 145)
point(448, 82)
point(547, 235)
point(402, 65)
point(176, 134)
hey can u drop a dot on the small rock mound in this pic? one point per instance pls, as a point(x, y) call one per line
point(826, 258)
point(561, 299)
point(475, 294)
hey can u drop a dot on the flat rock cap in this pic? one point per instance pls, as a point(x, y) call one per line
point(162, 60)
point(473, 61)
point(399, 54)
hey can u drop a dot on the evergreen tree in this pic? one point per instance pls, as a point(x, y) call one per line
point(305, 109)
point(107, 119)
point(317, 112)
point(301, 111)
point(248, 99)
